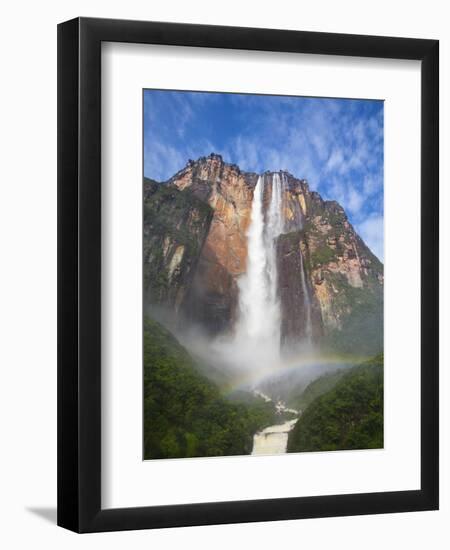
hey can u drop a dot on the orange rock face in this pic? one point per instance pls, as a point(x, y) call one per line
point(229, 192)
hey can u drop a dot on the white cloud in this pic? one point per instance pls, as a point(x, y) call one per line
point(161, 159)
point(320, 144)
point(372, 232)
point(354, 200)
point(336, 161)
point(246, 153)
point(371, 184)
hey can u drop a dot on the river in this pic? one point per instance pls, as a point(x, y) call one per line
point(273, 439)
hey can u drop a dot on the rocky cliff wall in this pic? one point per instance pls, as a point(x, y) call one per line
point(195, 248)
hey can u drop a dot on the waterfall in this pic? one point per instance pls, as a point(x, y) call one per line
point(253, 286)
point(274, 228)
point(258, 324)
point(306, 303)
point(299, 220)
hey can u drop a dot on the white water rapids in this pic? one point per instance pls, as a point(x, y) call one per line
point(273, 440)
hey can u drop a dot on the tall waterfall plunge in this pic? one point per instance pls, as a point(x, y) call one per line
point(259, 321)
point(258, 326)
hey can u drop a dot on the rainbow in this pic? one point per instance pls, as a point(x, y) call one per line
point(252, 378)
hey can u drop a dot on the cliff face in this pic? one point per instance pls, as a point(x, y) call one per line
point(212, 298)
point(195, 248)
point(176, 225)
point(344, 279)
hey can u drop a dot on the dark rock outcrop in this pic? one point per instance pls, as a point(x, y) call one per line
point(176, 225)
point(297, 297)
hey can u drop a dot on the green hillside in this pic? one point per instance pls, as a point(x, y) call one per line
point(317, 387)
point(184, 413)
point(348, 416)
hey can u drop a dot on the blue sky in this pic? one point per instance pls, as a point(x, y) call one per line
point(336, 144)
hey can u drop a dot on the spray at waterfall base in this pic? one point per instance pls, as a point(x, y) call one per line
point(253, 309)
point(254, 355)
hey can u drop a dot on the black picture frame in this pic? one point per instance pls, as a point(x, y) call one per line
point(79, 274)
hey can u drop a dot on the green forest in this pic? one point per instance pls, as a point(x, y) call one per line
point(343, 410)
point(185, 414)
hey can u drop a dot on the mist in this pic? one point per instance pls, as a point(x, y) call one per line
point(250, 356)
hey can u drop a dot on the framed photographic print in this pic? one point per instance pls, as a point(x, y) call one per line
point(248, 275)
